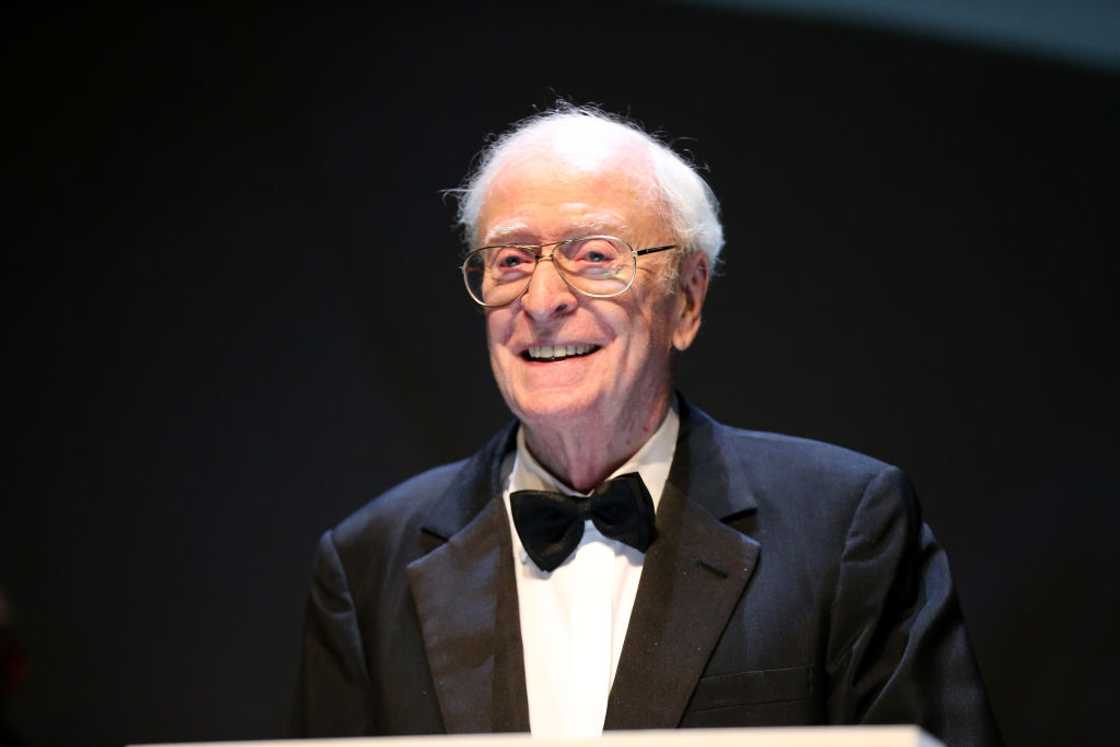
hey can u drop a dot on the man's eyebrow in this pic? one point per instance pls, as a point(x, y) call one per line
point(520, 233)
point(592, 226)
point(513, 233)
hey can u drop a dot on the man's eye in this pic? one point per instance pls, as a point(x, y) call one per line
point(593, 252)
point(511, 259)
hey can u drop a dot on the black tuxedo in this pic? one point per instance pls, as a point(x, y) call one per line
point(792, 582)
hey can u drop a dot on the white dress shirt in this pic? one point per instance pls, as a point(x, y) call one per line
point(574, 619)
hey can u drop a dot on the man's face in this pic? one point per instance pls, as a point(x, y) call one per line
point(619, 371)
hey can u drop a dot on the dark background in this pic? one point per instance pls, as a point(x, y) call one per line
point(233, 315)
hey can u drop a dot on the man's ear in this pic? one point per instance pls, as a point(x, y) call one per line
point(695, 272)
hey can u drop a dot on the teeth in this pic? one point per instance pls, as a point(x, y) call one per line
point(555, 352)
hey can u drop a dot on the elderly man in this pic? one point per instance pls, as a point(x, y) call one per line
point(616, 558)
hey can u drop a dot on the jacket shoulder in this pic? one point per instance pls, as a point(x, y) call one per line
point(402, 507)
point(810, 460)
point(810, 479)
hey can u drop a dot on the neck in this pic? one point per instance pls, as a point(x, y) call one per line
point(583, 455)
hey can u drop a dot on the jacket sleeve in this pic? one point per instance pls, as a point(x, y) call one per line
point(898, 651)
point(333, 686)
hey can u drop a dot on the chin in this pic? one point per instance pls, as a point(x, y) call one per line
point(548, 406)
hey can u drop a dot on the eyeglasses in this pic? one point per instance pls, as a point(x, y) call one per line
point(595, 266)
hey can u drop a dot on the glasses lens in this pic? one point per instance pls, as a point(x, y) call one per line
point(497, 275)
point(598, 266)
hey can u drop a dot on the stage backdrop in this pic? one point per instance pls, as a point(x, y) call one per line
point(234, 315)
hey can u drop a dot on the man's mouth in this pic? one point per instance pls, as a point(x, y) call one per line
point(548, 353)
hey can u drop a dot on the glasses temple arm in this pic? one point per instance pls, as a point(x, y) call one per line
point(652, 249)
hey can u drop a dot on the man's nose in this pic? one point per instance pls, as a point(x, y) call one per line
point(547, 295)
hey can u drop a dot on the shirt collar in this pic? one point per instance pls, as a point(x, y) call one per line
point(652, 462)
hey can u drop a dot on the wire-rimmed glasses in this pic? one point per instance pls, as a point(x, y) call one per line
point(595, 266)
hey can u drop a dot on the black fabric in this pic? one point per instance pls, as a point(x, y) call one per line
point(550, 524)
point(792, 582)
point(692, 579)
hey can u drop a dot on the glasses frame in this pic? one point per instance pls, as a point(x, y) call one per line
point(539, 255)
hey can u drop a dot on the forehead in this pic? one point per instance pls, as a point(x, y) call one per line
point(550, 194)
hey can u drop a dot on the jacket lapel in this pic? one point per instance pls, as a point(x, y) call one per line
point(692, 580)
point(466, 599)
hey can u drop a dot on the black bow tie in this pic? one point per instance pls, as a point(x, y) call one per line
point(551, 524)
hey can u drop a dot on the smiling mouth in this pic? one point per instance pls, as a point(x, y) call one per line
point(549, 353)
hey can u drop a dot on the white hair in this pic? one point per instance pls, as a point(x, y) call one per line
point(692, 207)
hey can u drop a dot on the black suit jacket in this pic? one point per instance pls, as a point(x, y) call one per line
point(792, 582)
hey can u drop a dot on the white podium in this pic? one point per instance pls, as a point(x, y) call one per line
point(814, 736)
